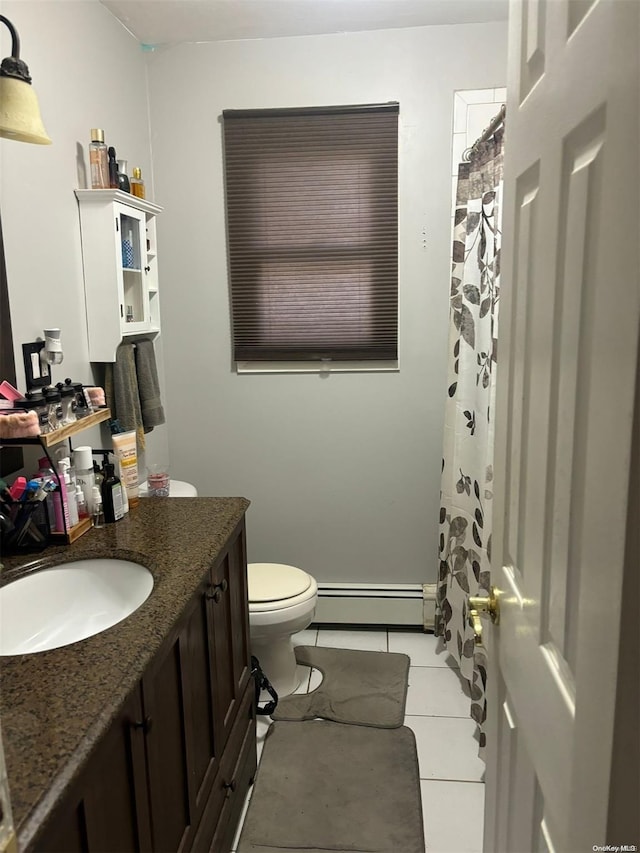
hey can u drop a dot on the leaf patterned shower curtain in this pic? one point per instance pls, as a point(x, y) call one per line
point(467, 464)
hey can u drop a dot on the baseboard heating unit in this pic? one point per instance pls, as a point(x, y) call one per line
point(401, 604)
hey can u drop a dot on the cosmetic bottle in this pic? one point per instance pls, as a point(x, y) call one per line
point(123, 178)
point(81, 503)
point(83, 462)
point(111, 495)
point(70, 506)
point(80, 406)
point(98, 160)
point(52, 396)
point(137, 184)
point(67, 400)
point(127, 251)
point(113, 168)
point(36, 402)
point(98, 474)
point(98, 512)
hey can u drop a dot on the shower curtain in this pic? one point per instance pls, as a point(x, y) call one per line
point(467, 464)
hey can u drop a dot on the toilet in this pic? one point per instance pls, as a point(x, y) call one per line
point(282, 601)
point(177, 489)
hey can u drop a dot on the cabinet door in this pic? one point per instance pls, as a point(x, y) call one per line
point(131, 250)
point(183, 753)
point(107, 808)
point(241, 774)
point(165, 694)
point(236, 772)
point(229, 627)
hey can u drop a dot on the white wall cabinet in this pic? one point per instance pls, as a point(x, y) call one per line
point(118, 233)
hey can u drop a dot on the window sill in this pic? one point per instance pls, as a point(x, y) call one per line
point(322, 368)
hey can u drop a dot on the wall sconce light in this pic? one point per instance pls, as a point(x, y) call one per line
point(52, 352)
point(19, 111)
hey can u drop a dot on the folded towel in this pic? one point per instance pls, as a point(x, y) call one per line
point(121, 389)
point(148, 385)
point(18, 424)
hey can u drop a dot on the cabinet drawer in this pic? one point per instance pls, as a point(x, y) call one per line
point(237, 769)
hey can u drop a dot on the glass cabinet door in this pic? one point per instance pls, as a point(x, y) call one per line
point(134, 307)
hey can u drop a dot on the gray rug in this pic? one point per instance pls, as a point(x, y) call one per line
point(362, 688)
point(325, 786)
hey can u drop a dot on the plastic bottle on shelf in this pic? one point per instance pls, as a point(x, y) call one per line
point(98, 160)
point(137, 184)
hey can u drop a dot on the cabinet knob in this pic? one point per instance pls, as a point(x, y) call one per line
point(147, 269)
point(216, 590)
point(145, 724)
point(229, 787)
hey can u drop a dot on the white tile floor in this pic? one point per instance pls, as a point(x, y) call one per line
point(438, 713)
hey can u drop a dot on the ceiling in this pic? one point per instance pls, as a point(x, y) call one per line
point(165, 22)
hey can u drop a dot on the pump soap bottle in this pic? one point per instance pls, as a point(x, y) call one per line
point(98, 160)
point(111, 495)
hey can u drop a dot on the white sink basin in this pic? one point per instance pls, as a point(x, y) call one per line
point(55, 607)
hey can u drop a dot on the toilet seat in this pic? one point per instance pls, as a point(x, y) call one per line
point(275, 586)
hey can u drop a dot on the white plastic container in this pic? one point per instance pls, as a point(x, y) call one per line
point(83, 462)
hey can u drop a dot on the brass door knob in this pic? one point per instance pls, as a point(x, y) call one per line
point(484, 604)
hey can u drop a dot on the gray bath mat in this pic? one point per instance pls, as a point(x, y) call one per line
point(363, 688)
point(329, 787)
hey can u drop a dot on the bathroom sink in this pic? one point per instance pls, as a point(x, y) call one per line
point(55, 607)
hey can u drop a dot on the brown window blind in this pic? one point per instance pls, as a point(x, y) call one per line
point(312, 229)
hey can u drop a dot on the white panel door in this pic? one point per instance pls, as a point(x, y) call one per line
point(569, 326)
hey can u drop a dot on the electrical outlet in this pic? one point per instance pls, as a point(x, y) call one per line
point(37, 373)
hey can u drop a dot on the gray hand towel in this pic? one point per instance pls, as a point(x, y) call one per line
point(121, 389)
point(148, 385)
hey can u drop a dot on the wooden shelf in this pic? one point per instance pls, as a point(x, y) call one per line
point(50, 438)
point(73, 533)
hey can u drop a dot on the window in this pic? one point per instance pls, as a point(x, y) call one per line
point(312, 229)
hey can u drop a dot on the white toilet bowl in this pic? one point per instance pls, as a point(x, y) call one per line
point(282, 601)
point(177, 489)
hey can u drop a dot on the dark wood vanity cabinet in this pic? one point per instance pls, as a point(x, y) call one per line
point(107, 808)
point(172, 772)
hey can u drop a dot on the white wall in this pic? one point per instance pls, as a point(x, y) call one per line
point(88, 71)
point(343, 473)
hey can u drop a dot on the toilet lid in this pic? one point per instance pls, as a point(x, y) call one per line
point(275, 581)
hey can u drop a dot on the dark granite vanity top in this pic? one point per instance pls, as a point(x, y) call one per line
point(55, 705)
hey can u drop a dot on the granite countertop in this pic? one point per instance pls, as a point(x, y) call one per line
point(55, 705)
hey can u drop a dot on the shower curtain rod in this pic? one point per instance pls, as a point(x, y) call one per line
point(487, 134)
